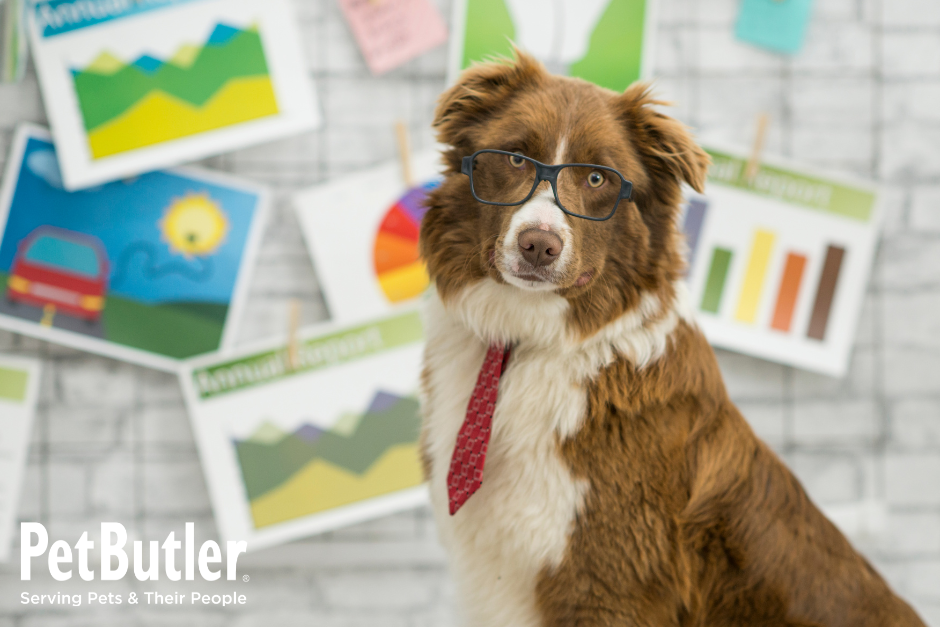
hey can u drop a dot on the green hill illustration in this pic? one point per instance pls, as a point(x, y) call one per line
point(126, 106)
point(271, 457)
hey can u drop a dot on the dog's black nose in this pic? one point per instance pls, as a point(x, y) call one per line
point(540, 248)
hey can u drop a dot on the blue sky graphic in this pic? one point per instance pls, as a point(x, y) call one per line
point(126, 214)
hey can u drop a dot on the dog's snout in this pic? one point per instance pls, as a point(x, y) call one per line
point(540, 248)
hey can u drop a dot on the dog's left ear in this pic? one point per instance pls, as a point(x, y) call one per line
point(665, 144)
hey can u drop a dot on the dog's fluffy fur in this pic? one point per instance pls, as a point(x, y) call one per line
point(621, 486)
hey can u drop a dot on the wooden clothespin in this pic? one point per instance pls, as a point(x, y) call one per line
point(757, 149)
point(293, 347)
point(404, 153)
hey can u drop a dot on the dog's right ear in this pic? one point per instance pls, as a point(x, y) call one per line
point(479, 93)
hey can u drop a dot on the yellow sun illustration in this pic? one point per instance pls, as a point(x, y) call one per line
point(194, 225)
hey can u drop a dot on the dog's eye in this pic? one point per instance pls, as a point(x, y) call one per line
point(595, 179)
point(516, 161)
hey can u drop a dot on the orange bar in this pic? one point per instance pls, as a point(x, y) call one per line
point(789, 288)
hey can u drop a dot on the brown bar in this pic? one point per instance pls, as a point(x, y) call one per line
point(825, 293)
point(789, 289)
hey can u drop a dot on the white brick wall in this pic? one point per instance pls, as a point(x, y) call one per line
point(112, 441)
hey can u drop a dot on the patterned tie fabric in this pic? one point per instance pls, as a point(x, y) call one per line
point(466, 466)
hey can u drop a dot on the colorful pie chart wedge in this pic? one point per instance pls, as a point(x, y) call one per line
point(399, 269)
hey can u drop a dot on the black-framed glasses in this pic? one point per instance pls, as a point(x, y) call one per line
point(507, 179)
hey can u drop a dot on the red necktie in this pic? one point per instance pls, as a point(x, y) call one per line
point(466, 466)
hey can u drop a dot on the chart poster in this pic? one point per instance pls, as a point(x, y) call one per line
point(19, 390)
point(607, 42)
point(779, 263)
point(134, 86)
point(150, 270)
point(13, 51)
point(362, 232)
point(293, 448)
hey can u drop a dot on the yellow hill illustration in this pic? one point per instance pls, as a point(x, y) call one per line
point(320, 486)
point(185, 56)
point(105, 64)
point(161, 117)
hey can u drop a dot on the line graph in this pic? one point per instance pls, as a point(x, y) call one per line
point(125, 106)
point(292, 474)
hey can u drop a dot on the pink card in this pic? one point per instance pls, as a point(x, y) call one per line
point(391, 32)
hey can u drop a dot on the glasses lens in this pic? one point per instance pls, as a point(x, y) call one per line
point(588, 191)
point(502, 178)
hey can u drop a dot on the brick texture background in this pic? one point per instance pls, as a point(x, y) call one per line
point(112, 441)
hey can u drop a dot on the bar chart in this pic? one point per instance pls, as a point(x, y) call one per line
point(778, 265)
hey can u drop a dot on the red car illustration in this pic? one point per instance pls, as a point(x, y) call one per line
point(61, 268)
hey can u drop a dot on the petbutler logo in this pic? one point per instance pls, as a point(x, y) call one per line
point(34, 542)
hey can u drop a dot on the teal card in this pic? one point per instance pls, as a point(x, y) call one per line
point(778, 25)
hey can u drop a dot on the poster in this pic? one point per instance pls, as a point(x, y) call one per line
point(362, 232)
point(290, 452)
point(150, 270)
point(779, 265)
point(135, 86)
point(607, 42)
point(19, 391)
point(13, 51)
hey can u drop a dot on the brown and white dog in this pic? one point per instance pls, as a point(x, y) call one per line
point(621, 485)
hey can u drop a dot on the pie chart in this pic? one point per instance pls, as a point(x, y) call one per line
point(399, 269)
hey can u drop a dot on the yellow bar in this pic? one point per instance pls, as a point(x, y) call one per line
point(754, 276)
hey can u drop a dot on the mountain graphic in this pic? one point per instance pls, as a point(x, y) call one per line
point(125, 106)
point(270, 457)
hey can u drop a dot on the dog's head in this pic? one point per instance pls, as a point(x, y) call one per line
point(602, 268)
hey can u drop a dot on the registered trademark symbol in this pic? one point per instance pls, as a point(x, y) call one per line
point(245, 578)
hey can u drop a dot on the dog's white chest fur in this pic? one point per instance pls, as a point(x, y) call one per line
point(518, 522)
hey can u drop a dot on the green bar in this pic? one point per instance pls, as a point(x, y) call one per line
point(13, 384)
point(313, 354)
point(715, 285)
point(792, 187)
